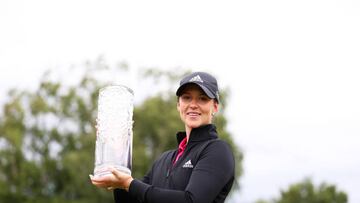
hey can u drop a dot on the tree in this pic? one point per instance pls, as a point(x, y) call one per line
point(47, 136)
point(49, 139)
point(307, 192)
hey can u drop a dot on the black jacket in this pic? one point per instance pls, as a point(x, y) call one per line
point(204, 173)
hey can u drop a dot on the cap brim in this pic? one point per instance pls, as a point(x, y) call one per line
point(205, 89)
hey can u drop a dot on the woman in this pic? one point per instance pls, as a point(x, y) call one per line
point(201, 170)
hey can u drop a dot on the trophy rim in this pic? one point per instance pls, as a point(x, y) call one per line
point(117, 86)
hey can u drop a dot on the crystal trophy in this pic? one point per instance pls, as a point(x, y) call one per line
point(113, 146)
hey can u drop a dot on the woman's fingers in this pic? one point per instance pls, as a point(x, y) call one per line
point(103, 181)
point(117, 173)
point(123, 179)
point(100, 184)
point(116, 179)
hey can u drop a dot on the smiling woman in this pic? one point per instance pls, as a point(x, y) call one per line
point(195, 107)
point(200, 170)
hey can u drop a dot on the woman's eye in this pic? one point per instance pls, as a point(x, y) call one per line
point(185, 97)
point(204, 98)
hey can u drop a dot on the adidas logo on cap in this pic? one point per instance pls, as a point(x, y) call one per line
point(196, 79)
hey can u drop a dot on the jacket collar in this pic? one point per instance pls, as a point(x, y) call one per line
point(199, 134)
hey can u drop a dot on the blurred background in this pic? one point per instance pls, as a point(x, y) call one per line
point(288, 71)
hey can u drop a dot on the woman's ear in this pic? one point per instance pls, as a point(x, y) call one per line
point(178, 106)
point(216, 107)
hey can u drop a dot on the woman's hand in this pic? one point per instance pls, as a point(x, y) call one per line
point(116, 179)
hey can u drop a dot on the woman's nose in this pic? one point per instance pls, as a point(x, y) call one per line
point(193, 103)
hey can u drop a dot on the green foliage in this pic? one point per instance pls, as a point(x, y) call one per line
point(307, 192)
point(261, 201)
point(156, 122)
point(47, 137)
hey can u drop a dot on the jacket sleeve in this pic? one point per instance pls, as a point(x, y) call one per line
point(214, 169)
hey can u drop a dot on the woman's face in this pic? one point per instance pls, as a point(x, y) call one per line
point(195, 107)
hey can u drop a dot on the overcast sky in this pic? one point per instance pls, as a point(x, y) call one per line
point(292, 68)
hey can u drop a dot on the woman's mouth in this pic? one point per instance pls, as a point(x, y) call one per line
point(193, 114)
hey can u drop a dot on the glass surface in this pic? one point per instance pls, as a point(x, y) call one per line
point(114, 130)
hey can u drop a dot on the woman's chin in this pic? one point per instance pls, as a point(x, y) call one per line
point(193, 124)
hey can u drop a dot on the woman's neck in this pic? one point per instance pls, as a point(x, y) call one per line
point(188, 131)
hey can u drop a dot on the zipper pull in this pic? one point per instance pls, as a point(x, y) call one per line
point(167, 173)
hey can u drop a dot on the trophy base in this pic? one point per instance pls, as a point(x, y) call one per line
point(105, 170)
